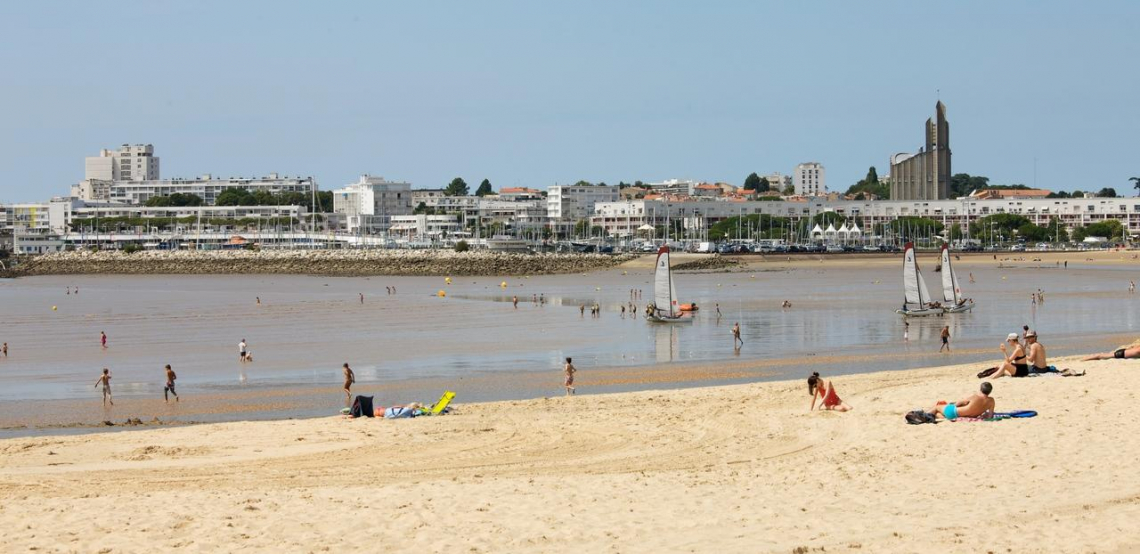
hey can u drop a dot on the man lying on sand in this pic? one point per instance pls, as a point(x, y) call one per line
point(978, 404)
point(1129, 352)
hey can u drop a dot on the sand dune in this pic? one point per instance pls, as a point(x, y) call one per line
point(740, 469)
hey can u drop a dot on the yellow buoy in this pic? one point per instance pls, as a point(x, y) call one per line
point(503, 285)
point(441, 294)
point(447, 280)
point(53, 308)
point(597, 288)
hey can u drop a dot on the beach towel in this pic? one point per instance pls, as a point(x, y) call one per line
point(362, 406)
point(1016, 414)
point(399, 412)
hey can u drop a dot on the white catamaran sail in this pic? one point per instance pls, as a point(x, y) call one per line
point(915, 293)
point(951, 292)
point(665, 291)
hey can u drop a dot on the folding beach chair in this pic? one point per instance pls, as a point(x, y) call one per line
point(442, 403)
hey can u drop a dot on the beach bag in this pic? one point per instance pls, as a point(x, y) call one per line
point(918, 417)
point(362, 407)
point(986, 372)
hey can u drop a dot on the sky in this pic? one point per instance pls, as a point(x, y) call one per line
point(538, 93)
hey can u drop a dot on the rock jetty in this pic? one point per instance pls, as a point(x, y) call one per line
point(315, 262)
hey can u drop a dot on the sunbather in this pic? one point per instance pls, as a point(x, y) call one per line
point(1015, 364)
point(1127, 352)
point(978, 404)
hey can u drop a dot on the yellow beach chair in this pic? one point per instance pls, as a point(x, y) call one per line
point(442, 403)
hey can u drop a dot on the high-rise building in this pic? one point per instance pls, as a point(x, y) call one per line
point(370, 203)
point(570, 203)
point(809, 179)
point(925, 175)
point(128, 163)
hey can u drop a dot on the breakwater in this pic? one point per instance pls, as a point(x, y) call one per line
point(348, 263)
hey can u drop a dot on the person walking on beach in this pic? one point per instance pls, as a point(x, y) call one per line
point(105, 380)
point(971, 277)
point(4, 350)
point(582, 310)
point(825, 391)
point(1131, 287)
point(169, 388)
point(736, 335)
point(569, 370)
point(906, 331)
point(258, 298)
point(515, 301)
point(718, 310)
point(623, 311)
point(242, 353)
point(945, 339)
point(362, 298)
point(103, 339)
point(349, 379)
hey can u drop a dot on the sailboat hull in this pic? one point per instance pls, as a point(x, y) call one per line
point(919, 313)
point(683, 318)
point(960, 309)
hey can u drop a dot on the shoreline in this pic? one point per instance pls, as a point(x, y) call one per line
point(436, 263)
point(738, 467)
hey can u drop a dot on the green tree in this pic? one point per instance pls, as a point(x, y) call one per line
point(462, 246)
point(423, 208)
point(234, 197)
point(789, 190)
point(457, 187)
point(583, 184)
point(1077, 194)
point(962, 184)
point(823, 219)
point(913, 227)
point(752, 181)
point(997, 225)
point(870, 185)
point(764, 185)
point(484, 188)
point(1033, 233)
point(1109, 229)
point(1056, 231)
point(177, 199)
point(1058, 194)
point(1136, 180)
point(1107, 192)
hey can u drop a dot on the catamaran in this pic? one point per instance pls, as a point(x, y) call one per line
point(916, 298)
point(665, 308)
point(951, 293)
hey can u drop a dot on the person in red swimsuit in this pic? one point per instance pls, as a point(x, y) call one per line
point(825, 390)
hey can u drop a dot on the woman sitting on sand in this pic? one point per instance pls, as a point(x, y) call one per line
point(1016, 364)
point(825, 390)
point(1121, 353)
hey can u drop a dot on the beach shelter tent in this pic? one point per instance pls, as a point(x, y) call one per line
point(830, 233)
point(816, 233)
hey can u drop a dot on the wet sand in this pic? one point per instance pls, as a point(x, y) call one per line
point(743, 468)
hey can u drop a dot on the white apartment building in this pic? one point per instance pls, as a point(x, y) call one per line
point(206, 187)
point(426, 196)
point(623, 218)
point(674, 186)
point(809, 179)
point(421, 226)
point(778, 181)
point(492, 209)
point(128, 163)
point(369, 204)
point(570, 203)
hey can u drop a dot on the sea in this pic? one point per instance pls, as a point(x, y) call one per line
point(411, 338)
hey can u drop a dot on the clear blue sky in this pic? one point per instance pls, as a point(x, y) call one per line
point(537, 93)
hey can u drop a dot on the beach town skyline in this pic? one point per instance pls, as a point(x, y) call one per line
point(583, 101)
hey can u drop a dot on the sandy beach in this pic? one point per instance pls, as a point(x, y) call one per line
point(742, 468)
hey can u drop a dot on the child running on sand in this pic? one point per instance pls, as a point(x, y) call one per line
point(169, 388)
point(103, 339)
point(570, 371)
point(105, 380)
point(825, 390)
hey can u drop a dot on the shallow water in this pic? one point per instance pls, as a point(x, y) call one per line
point(413, 344)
